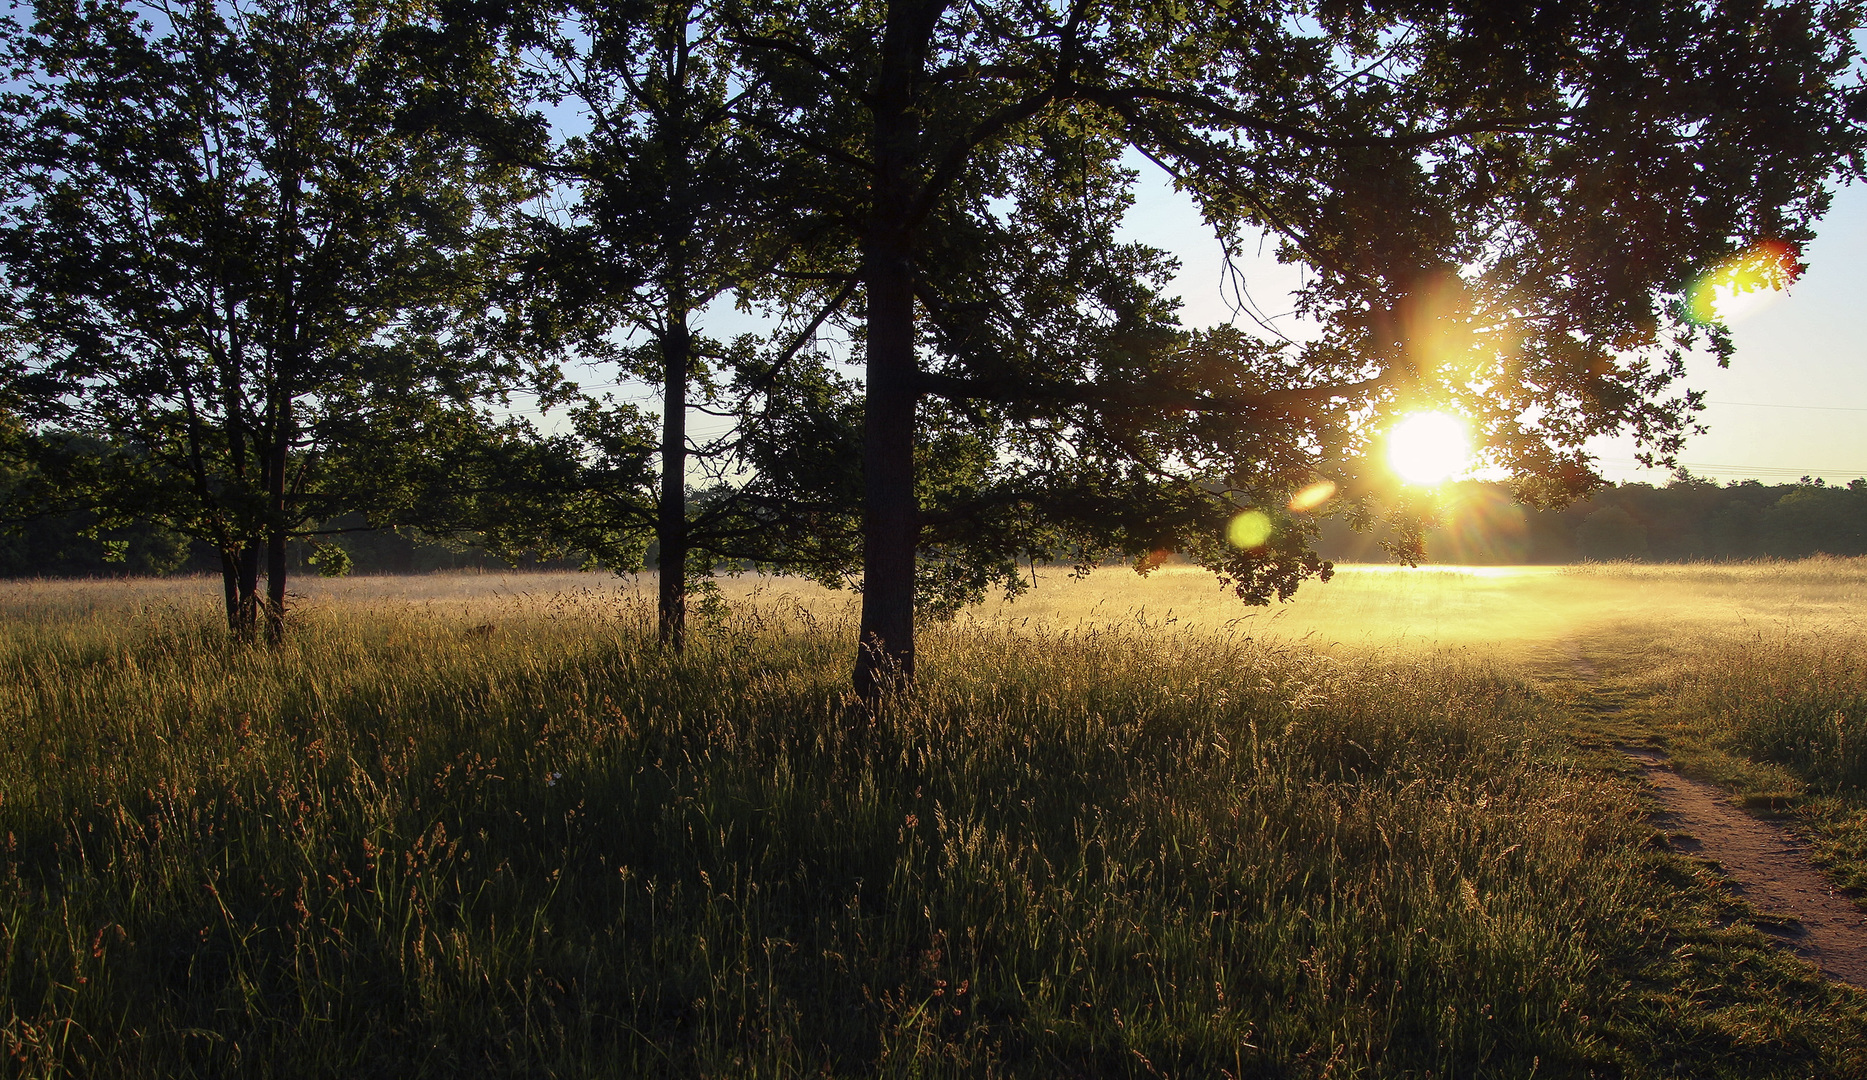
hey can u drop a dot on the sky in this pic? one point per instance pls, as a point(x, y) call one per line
point(1792, 403)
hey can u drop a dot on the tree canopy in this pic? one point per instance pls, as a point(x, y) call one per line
point(1511, 212)
point(228, 259)
point(1501, 210)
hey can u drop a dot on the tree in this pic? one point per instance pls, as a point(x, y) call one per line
point(1611, 533)
point(1817, 519)
point(1504, 210)
point(666, 206)
point(227, 259)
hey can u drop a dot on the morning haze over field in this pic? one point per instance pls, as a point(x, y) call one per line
point(776, 539)
point(1511, 613)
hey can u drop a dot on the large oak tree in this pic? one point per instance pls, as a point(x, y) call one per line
point(1501, 209)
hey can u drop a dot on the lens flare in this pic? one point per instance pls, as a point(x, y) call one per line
point(1428, 448)
point(1251, 529)
point(1312, 496)
point(1743, 284)
point(1480, 523)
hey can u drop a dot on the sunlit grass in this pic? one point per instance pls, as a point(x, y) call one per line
point(1523, 611)
point(479, 825)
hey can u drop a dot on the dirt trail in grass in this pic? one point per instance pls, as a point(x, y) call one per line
point(1763, 861)
point(1766, 865)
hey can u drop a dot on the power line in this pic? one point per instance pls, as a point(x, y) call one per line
point(1768, 405)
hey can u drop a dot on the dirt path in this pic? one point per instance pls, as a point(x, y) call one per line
point(1767, 866)
point(1764, 862)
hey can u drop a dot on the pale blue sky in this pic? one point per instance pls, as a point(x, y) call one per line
point(1793, 402)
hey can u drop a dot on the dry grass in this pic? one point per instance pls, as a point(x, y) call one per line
point(1511, 608)
point(1524, 608)
point(477, 824)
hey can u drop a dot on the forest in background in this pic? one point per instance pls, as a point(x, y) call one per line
point(1689, 519)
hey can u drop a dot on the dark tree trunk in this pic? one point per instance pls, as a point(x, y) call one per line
point(275, 585)
point(677, 345)
point(283, 428)
point(248, 625)
point(890, 513)
point(671, 510)
point(278, 458)
point(890, 516)
point(230, 584)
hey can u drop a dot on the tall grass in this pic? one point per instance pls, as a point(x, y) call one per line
point(1798, 700)
point(521, 841)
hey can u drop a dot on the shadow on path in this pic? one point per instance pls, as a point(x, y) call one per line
point(1766, 865)
point(1763, 862)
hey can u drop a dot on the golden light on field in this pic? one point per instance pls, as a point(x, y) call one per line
point(1429, 448)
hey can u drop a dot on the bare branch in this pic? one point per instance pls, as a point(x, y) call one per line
point(1117, 97)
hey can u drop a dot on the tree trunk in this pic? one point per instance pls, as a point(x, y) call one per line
point(288, 359)
point(230, 585)
point(677, 344)
point(275, 584)
point(278, 458)
point(249, 590)
point(890, 512)
point(671, 511)
point(890, 515)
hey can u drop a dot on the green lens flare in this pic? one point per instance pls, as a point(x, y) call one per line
point(1251, 529)
point(1743, 283)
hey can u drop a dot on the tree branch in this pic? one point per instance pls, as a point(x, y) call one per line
point(1117, 97)
point(805, 336)
point(1296, 401)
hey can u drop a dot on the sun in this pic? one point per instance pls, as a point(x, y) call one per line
point(1428, 448)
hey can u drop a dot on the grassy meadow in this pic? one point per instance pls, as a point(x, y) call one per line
point(478, 825)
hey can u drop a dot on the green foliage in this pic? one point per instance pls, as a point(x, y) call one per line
point(523, 840)
point(1817, 519)
point(259, 260)
point(664, 204)
point(37, 541)
point(242, 297)
point(331, 560)
point(1611, 533)
point(1502, 213)
point(67, 545)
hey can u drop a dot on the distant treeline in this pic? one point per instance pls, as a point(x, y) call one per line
point(1688, 519)
point(1685, 520)
point(64, 546)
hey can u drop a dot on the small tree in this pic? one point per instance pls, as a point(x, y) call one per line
point(664, 205)
point(225, 259)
